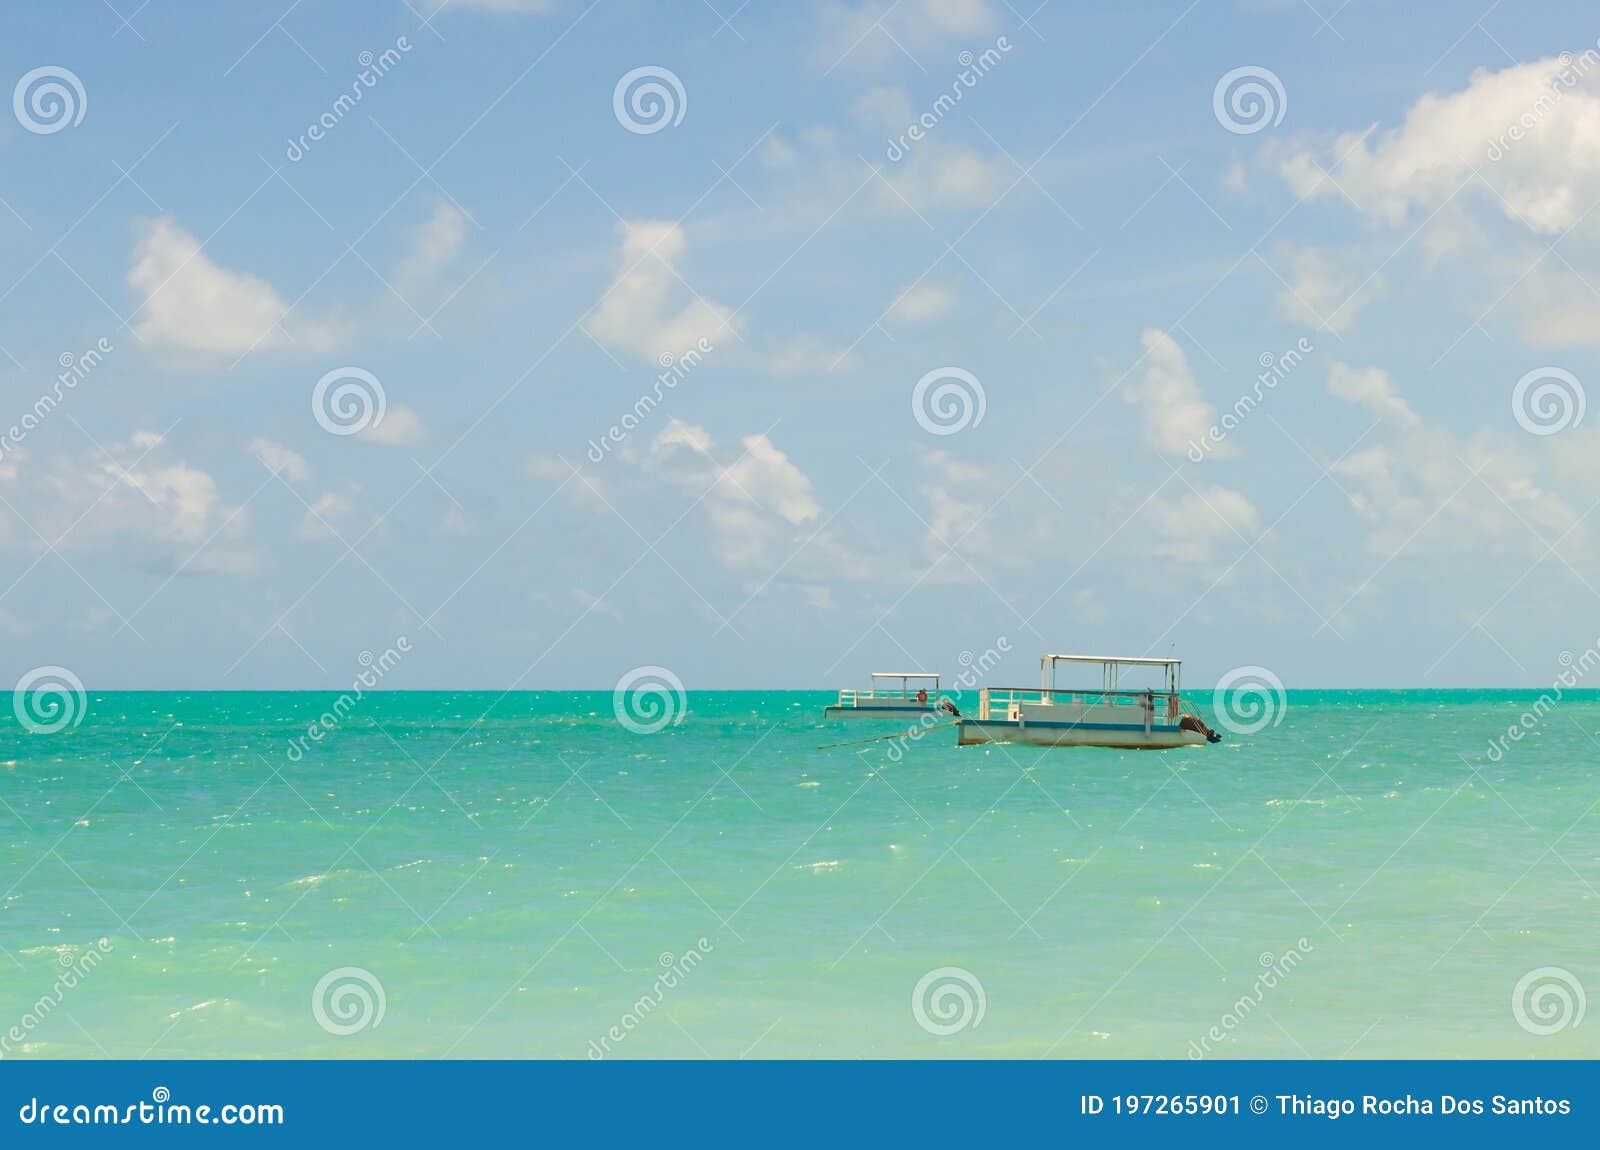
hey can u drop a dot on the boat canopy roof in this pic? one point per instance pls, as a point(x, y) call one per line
point(1111, 668)
point(906, 675)
point(1120, 660)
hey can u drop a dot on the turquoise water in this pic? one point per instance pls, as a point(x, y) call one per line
point(512, 870)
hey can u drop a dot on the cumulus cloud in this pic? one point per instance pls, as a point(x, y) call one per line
point(136, 499)
point(280, 459)
point(400, 426)
point(192, 304)
point(752, 504)
point(1175, 412)
point(648, 310)
point(1531, 130)
point(1370, 387)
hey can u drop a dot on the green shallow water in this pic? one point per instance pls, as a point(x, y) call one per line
point(512, 870)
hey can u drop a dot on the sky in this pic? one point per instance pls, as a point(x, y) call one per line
point(776, 344)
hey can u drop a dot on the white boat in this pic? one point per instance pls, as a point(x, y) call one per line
point(917, 692)
point(1109, 716)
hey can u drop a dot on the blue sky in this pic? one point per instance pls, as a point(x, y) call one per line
point(1093, 241)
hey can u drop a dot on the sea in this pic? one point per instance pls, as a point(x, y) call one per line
point(1348, 874)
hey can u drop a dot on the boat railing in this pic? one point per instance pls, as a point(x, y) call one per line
point(849, 697)
point(998, 701)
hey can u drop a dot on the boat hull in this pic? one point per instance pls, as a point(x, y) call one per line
point(879, 711)
point(1068, 734)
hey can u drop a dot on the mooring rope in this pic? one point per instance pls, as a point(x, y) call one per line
point(881, 738)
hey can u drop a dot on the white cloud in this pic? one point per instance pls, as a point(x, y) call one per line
point(1175, 412)
point(939, 175)
point(400, 426)
point(678, 434)
point(322, 517)
point(1543, 180)
point(278, 458)
point(869, 32)
point(648, 311)
point(922, 301)
point(1370, 388)
point(1202, 525)
point(192, 304)
point(1428, 491)
point(137, 500)
point(765, 474)
point(1325, 288)
point(435, 243)
point(753, 505)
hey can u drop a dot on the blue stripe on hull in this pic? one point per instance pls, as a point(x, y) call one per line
point(838, 711)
